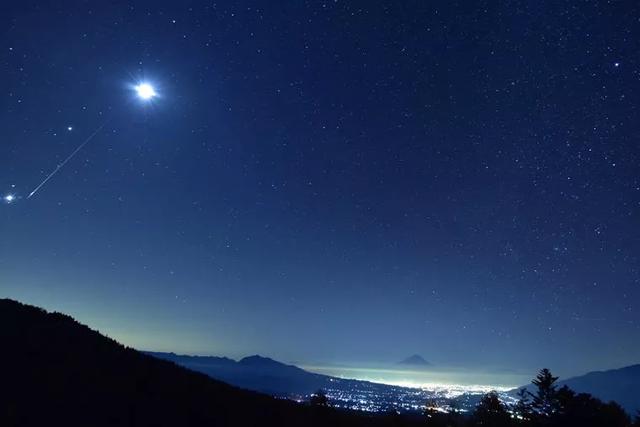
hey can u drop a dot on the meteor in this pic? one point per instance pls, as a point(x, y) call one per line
point(144, 90)
point(64, 162)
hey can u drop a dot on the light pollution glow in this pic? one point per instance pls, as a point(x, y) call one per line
point(449, 383)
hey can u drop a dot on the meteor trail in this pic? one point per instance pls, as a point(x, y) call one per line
point(69, 157)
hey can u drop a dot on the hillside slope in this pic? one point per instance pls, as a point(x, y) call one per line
point(56, 371)
point(617, 385)
point(620, 385)
point(255, 373)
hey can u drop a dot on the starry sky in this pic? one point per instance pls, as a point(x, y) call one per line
point(330, 182)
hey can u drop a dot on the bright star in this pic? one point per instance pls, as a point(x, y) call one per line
point(9, 198)
point(145, 91)
point(69, 128)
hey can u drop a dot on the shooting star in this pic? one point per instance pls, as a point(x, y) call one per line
point(145, 91)
point(69, 157)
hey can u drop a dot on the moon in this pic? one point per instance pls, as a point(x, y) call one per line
point(145, 91)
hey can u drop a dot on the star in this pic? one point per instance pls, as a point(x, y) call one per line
point(145, 91)
point(69, 128)
point(9, 198)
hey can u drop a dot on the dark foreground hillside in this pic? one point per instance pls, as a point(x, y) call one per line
point(57, 372)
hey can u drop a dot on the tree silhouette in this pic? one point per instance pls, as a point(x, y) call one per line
point(431, 408)
point(584, 410)
point(566, 399)
point(522, 408)
point(614, 416)
point(454, 406)
point(491, 412)
point(552, 407)
point(319, 398)
point(545, 399)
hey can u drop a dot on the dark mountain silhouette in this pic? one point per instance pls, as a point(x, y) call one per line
point(259, 373)
point(618, 385)
point(414, 361)
point(264, 362)
point(56, 371)
point(271, 367)
point(281, 380)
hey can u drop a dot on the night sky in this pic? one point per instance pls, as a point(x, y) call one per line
point(330, 182)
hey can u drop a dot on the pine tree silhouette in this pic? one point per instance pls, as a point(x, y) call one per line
point(491, 412)
point(319, 398)
point(545, 399)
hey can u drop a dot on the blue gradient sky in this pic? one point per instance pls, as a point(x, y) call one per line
point(346, 182)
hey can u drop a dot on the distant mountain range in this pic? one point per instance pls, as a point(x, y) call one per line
point(415, 361)
point(57, 372)
point(255, 373)
point(278, 379)
point(620, 385)
point(269, 376)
